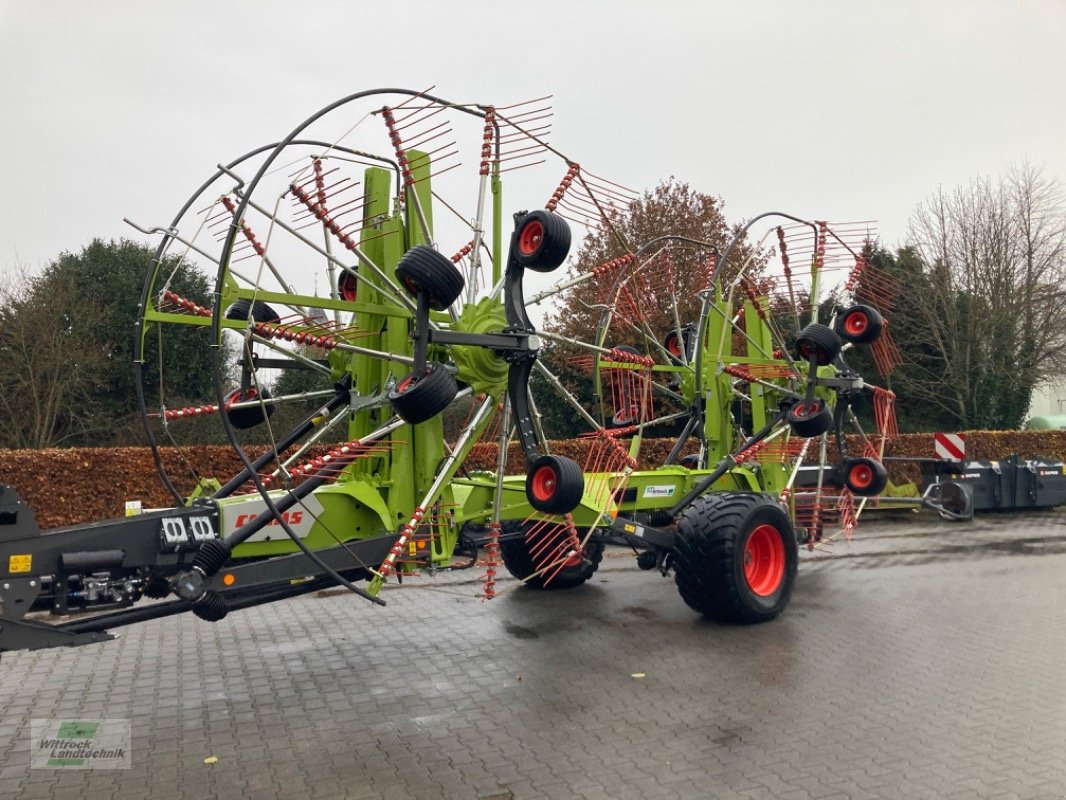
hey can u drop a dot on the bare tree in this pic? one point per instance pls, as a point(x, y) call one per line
point(52, 372)
point(992, 307)
point(672, 207)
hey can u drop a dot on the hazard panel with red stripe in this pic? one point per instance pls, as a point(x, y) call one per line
point(950, 446)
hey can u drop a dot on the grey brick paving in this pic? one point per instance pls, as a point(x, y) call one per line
point(923, 660)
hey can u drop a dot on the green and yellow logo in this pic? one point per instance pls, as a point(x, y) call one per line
point(80, 744)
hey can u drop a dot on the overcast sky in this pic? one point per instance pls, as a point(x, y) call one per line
point(840, 109)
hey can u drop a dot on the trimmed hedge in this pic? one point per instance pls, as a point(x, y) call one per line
point(67, 487)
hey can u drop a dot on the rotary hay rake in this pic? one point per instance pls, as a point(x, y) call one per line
point(330, 267)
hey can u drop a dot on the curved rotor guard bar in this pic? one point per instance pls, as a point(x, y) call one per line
point(520, 361)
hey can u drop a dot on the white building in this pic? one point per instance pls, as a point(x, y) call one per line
point(1049, 400)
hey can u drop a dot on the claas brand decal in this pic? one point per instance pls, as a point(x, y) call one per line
point(301, 519)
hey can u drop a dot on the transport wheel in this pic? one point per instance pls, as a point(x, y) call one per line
point(541, 242)
point(519, 562)
point(255, 407)
point(554, 484)
point(736, 557)
point(865, 477)
point(809, 419)
point(423, 269)
point(817, 343)
point(859, 324)
point(418, 398)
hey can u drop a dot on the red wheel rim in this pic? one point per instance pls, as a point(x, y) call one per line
point(804, 411)
point(531, 237)
point(348, 288)
point(405, 384)
point(236, 397)
point(673, 346)
point(544, 483)
point(764, 560)
point(861, 476)
point(856, 323)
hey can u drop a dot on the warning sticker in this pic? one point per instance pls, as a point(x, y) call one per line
point(658, 491)
point(20, 563)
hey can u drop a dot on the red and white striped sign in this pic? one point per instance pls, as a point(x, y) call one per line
point(950, 446)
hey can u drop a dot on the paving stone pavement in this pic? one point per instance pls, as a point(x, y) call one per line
point(926, 659)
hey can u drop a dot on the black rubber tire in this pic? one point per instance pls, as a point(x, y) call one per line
point(249, 416)
point(709, 562)
point(516, 557)
point(423, 269)
point(647, 559)
point(817, 343)
point(859, 324)
point(808, 420)
point(261, 312)
point(417, 398)
point(541, 241)
point(347, 287)
point(554, 484)
point(865, 477)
